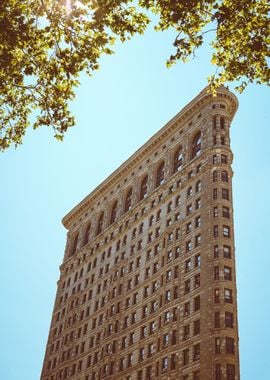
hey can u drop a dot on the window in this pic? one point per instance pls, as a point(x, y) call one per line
point(198, 203)
point(185, 356)
point(228, 319)
point(224, 176)
point(100, 223)
point(196, 352)
point(229, 346)
point(228, 273)
point(214, 159)
point(226, 231)
point(228, 295)
point(160, 176)
point(215, 232)
point(197, 222)
point(113, 212)
point(188, 246)
point(196, 327)
point(173, 361)
point(177, 159)
point(230, 372)
point(226, 251)
point(216, 295)
point(165, 363)
point(75, 239)
point(189, 209)
point(187, 309)
point(197, 281)
point(189, 192)
point(87, 234)
point(165, 340)
point(197, 261)
point(218, 372)
point(187, 286)
point(215, 212)
point(222, 122)
point(215, 194)
point(197, 240)
point(143, 190)
point(188, 265)
point(196, 146)
point(198, 186)
point(188, 227)
point(196, 375)
point(217, 319)
point(225, 194)
point(224, 159)
point(217, 345)
point(225, 212)
point(215, 176)
point(216, 273)
point(186, 332)
point(197, 303)
point(216, 251)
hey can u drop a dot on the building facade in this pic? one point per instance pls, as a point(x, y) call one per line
point(147, 287)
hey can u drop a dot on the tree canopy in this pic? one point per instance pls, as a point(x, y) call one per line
point(45, 45)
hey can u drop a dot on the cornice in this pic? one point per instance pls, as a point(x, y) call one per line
point(180, 118)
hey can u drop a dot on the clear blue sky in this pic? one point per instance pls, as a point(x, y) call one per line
point(131, 97)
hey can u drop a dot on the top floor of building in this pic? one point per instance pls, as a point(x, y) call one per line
point(202, 124)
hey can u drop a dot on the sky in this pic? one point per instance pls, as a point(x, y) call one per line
point(129, 99)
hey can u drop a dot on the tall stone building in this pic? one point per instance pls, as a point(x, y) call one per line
point(147, 287)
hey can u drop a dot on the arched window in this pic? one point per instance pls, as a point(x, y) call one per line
point(87, 234)
point(113, 212)
point(128, 200)
point(224, 176)
point(100, 223)
point(74, 244)
point(160, 174)
point(143, 190)
point(215, 176)
point(189, 191)
point(196, 145)
point(198, 186)
point(178, 159)
point(222, 122)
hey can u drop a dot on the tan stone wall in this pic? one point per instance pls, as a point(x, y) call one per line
point(120, 272)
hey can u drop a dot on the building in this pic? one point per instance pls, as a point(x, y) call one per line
point(147, 287)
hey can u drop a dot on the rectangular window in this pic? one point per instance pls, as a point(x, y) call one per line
point(197, 327)
point(230, 372)
point(224, 159)
point(197, 303)
point(215, 194)
point(186, 332)
point(185, 356)
point(229, 346)
point(215, 212)
point(216, 251)
point(216, 273)
point(217, 345)
point(216, 295)
point(217, 319)
point(196, 352)
point(227, 273)
point(225, 212)
point(228, 295)
point(225, 194)
point(226, 231)
point(218, 372)
point(215, 231)
point(226, 251)
point(228, 319)
point(197, 222)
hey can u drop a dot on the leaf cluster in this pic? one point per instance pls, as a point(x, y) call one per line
point(45, 45)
